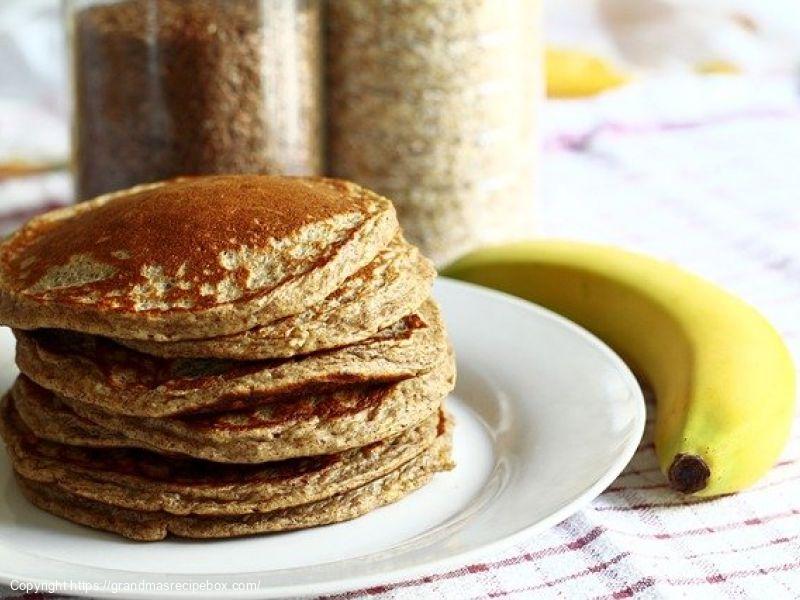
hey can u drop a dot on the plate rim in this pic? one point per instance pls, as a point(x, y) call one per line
point(389, 576)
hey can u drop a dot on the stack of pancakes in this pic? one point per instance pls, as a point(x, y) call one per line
point(220, 356)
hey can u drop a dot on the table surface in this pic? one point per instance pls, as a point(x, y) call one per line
point(702, 172)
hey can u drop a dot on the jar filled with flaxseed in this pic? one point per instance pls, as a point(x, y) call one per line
point(162, 88)
point(435, 104)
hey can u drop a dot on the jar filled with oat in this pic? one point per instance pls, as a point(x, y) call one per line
point(163, 88)
point(434, 103)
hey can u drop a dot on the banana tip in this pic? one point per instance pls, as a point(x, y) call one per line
point(688, 473)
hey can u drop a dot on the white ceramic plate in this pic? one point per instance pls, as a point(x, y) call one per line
point(546, 417)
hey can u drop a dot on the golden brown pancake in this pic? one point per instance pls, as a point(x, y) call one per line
point(392, 286)
point(144, 480)
point(152, 526)
point(192, 257)
point(300, 425)
point(116, 379)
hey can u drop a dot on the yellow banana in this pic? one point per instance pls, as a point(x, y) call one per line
point(724, 380)
point(576, 74)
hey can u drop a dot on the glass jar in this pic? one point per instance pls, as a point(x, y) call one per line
point(172, 87)
point(434, 103)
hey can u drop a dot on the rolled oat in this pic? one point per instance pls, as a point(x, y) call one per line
point(434, 104)
point(172, 87)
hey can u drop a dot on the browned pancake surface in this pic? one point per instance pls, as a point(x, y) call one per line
point(145, 480)
point(393, 285)
point(152, 261)
point(151, 526)
point(103, 373)
point(300, 425)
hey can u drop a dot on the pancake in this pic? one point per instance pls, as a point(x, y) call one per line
point(143, 480)
point(393, 285)
point(191, 258)
point(304, 425)
point(53, 420)
point(116, 379)
point(152, 526)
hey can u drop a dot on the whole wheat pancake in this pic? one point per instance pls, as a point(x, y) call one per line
point(152, 526)
point(304, 425)
point(51, 419)
point(393, 285)
point(143, 480)
point(120, 380)
point(192, 257)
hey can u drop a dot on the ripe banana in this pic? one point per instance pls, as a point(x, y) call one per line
point(724, 380)
point(575, 74)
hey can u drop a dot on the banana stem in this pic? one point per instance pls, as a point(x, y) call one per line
point(688, 473)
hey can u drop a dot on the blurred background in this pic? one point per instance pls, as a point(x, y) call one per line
point(718, 80)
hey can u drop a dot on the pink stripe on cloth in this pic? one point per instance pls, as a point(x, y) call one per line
point(713, 529)
point(769, 544)
point(720, 577)
point(631, 590)
point(573, 545)
point(580, 140)
point(597, 568)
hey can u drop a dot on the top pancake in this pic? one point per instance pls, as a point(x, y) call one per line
point(192, 257)
point(392, 286)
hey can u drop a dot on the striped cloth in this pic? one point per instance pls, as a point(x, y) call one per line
point(715, 188)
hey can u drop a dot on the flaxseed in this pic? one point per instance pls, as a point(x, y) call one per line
point(173, 87)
